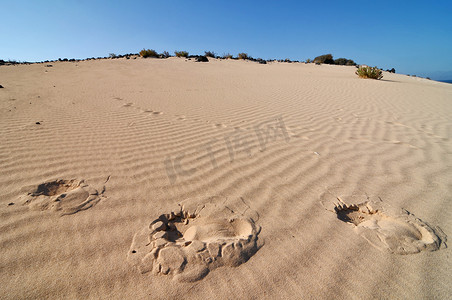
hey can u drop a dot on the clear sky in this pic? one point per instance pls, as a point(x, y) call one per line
point(414, 37)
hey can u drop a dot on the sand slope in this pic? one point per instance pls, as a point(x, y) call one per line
point(137, 137)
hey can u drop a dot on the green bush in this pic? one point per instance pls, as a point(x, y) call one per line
point(181, 53)
point(369, 72)
point(308, 61)
point(165, 54)
point(227, 56)
point(209, 54)
point(324, 59)
point(344, 62)
point(243, 56)
point(148, 53)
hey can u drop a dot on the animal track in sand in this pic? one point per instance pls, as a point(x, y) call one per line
point(144, 110)
point(394, 230)
point(197, 237)
point(65, 196)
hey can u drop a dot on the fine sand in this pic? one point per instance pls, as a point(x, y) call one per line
point(165, 179)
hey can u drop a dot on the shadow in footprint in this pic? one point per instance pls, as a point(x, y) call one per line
point(194, 239)
point(65, 196)
point(394, 230)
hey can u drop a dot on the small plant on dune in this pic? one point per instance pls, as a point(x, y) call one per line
point(308, 61)
point(181, 53)
point(209, 54)
point(243, 55)
point(344, 62)
point(324, 59)
point(148, 53)
point(165, 54)
point(227, 56)
point(369, 72)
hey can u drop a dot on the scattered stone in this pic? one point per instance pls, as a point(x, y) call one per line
point(1, 86)
point(38, 123)
point(49, 66)
point(12, 203)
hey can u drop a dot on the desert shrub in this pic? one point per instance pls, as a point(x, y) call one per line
point(148, 53)
point(209, 54)
point(227, 56)
point(165, 54)
point(202, 58)
point(243, 55)
point(340, 61)
point(369, 72)
point(308, 61)
point(181, 53)
point(112, 55)
point(324, 59)
point(344, 62)
point(391, 70)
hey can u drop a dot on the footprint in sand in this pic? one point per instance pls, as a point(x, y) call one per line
point(219, 125)
point(196, 238)
point(394, 230)
point(65, 196)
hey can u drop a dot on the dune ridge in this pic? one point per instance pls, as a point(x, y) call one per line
point(164, 131)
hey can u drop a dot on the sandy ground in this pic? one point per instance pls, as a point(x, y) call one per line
point(285, 181)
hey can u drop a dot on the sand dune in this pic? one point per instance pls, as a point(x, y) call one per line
point(299, 181)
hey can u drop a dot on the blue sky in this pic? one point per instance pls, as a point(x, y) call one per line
point(414, 37)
